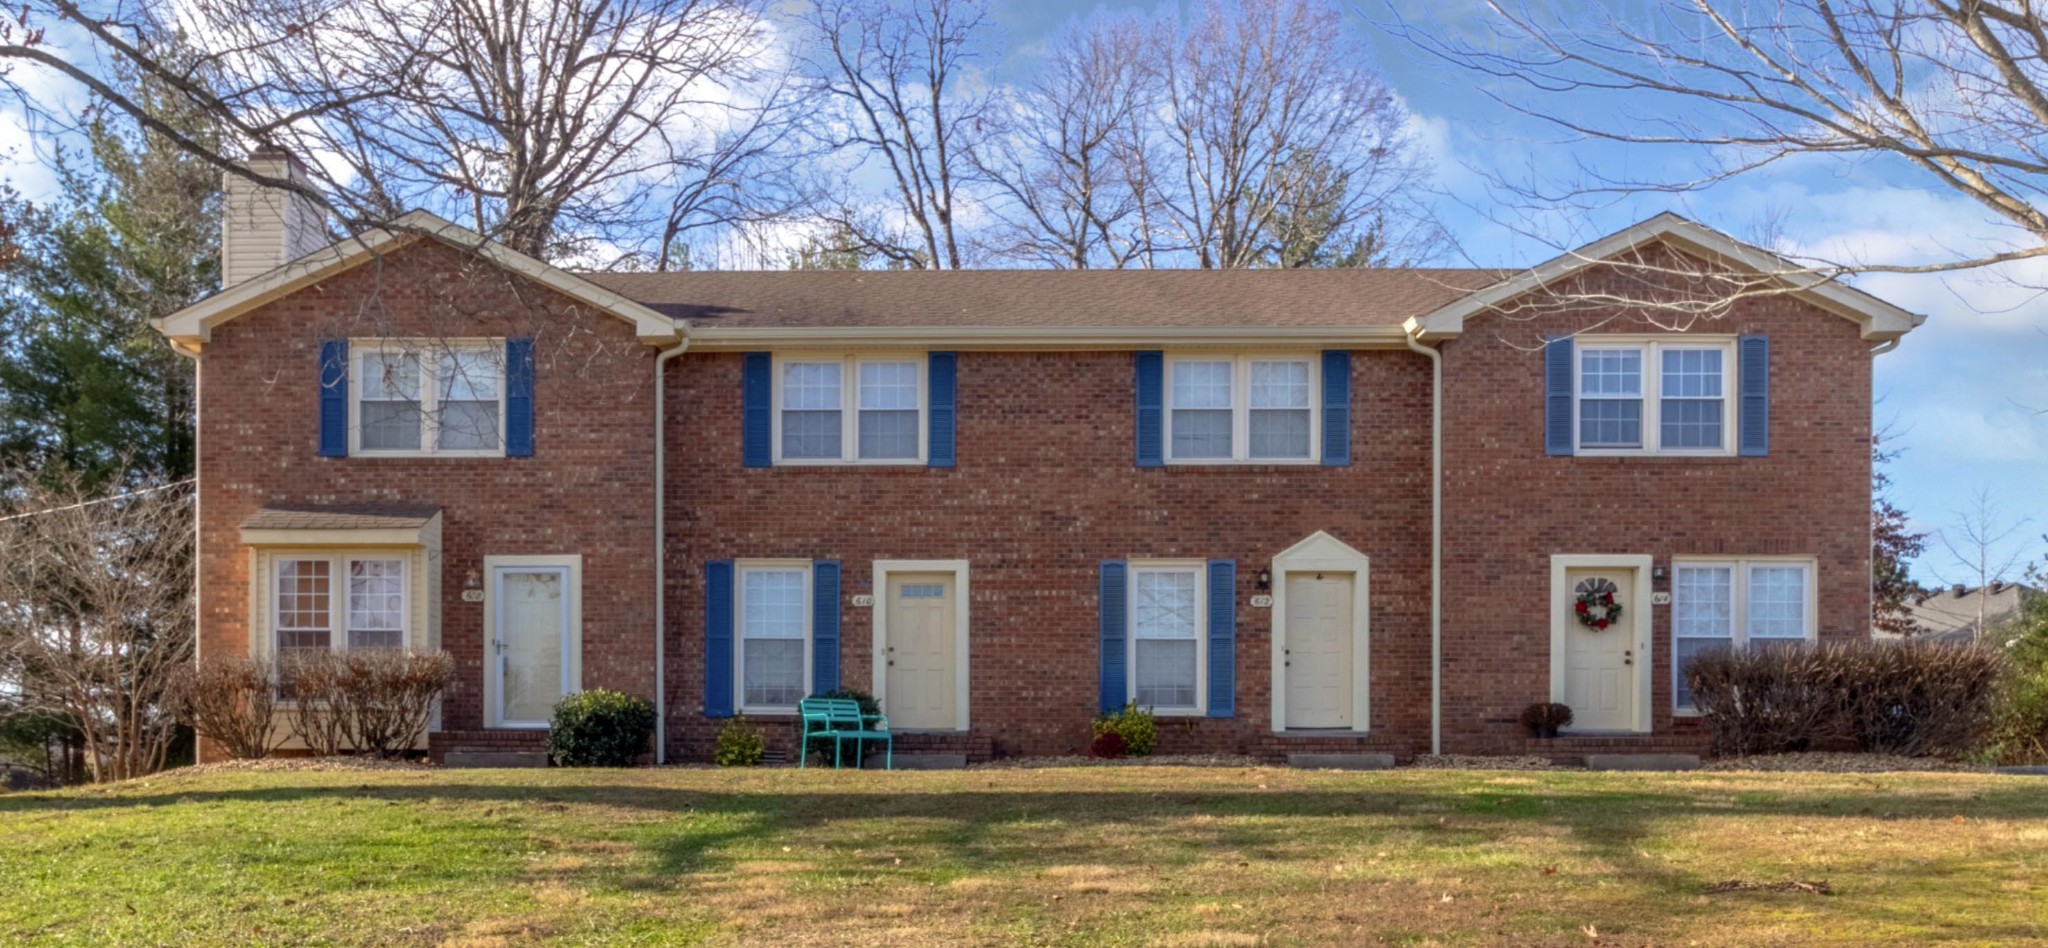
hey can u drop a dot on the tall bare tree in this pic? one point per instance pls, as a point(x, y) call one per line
point(1954, 92)
point(901, 72)
point(1987, 547)
point(558, 128)
point(1065, 157)
point(1272, 116)
point(96, 613)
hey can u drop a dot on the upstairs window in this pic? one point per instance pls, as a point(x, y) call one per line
point(850, 410)
point(1241, 409)
point(430, 397)
point(1653, 397)
point(1720, 605)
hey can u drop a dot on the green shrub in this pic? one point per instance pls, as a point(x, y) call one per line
point(600, 728)
point(1921, 700)
point(823, 746)
point(2021, 733)
point(739, 745)
point(1135, 725)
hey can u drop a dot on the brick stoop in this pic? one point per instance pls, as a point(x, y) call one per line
point(1573, 749)
point(976, 748)
point(487, 744)
point(1281, 748)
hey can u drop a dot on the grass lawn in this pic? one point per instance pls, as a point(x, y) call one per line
point(1082, 856)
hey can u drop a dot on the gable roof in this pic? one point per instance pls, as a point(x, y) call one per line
point(193, 326)
point(1881, 321)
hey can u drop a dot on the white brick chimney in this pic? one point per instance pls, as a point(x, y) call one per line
point(264, 228)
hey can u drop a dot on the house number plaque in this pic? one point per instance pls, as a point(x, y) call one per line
point(1660, 599)
point(1262, 602)
point(472, 595)
point(863, 601)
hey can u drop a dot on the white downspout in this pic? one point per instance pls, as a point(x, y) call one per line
point(661, 547)
point(1436, 539)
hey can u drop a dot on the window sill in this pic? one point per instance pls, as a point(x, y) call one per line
point(1246, 462)
point(416, 455)
point(1177, 712)
point(766, 712)
point(904, 463)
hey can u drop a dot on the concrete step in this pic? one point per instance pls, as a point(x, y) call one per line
point(1341, 761)
point(1642, 762)
point(494, 758)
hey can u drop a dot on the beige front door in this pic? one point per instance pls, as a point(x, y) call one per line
point(1318, 650)
point(529, 642)
point(921, 652)
point(1599, 664)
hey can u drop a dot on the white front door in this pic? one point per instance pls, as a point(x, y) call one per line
point(530, 642)
point(921, 652)
point(1318, 650)
point(1599, 664)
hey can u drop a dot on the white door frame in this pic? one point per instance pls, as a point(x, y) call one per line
point(1323, 553)
point(879, 647)
point(572, 633)
point(1638, 616)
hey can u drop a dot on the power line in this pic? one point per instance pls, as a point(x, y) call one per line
point(98, 500)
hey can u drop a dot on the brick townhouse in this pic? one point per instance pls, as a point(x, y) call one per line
point(1290, 511)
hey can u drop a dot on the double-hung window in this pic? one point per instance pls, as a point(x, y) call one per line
point(850, 410)
point(1645, 397)
point(1724, 604)
point(1254, 408)
point(1166, 642)
point(774, 614)
point(429, 397)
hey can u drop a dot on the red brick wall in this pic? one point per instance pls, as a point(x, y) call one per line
point(588, 488)
point(1044, 491)
point(1508, 507)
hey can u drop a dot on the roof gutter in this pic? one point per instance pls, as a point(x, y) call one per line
point(1436, 537)
point(661, 361)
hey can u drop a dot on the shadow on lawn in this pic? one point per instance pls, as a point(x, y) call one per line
point(690, 831)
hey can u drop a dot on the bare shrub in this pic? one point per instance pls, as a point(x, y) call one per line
point(391, 693)
point(231, 701)
point(1928, 700)
point(1921, 700)
point(365, 700)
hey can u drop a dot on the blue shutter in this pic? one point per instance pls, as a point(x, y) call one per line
point(334, 398)
point(1151, 410)
point(943, 368)
point(1115, 601)
point(824, 626)
point(1557, 397)
point(718, 606)
point(757, 407)
point(1336, 408)
point(1222, 638)
point(1754, 418)
point(519, 398)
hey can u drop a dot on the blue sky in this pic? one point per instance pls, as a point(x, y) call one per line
point(1966, 395)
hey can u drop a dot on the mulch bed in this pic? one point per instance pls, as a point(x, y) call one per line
point(1839, 763)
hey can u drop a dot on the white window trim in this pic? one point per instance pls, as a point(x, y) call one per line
point(337, 592)
point(1653, 348)
point(1738, 620)
point(739, 633)
point(430, 394)
point(1240, 406)
point(849, 408)
point(1200, 569)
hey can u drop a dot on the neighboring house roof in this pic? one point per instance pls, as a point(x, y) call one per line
point(1880, 320)
point(1951, 614)
point(193, 325)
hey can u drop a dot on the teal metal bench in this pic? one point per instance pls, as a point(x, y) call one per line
point(841, 720)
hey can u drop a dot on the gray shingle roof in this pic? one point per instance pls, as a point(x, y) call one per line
point(1026, 298)
point(340, 516)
